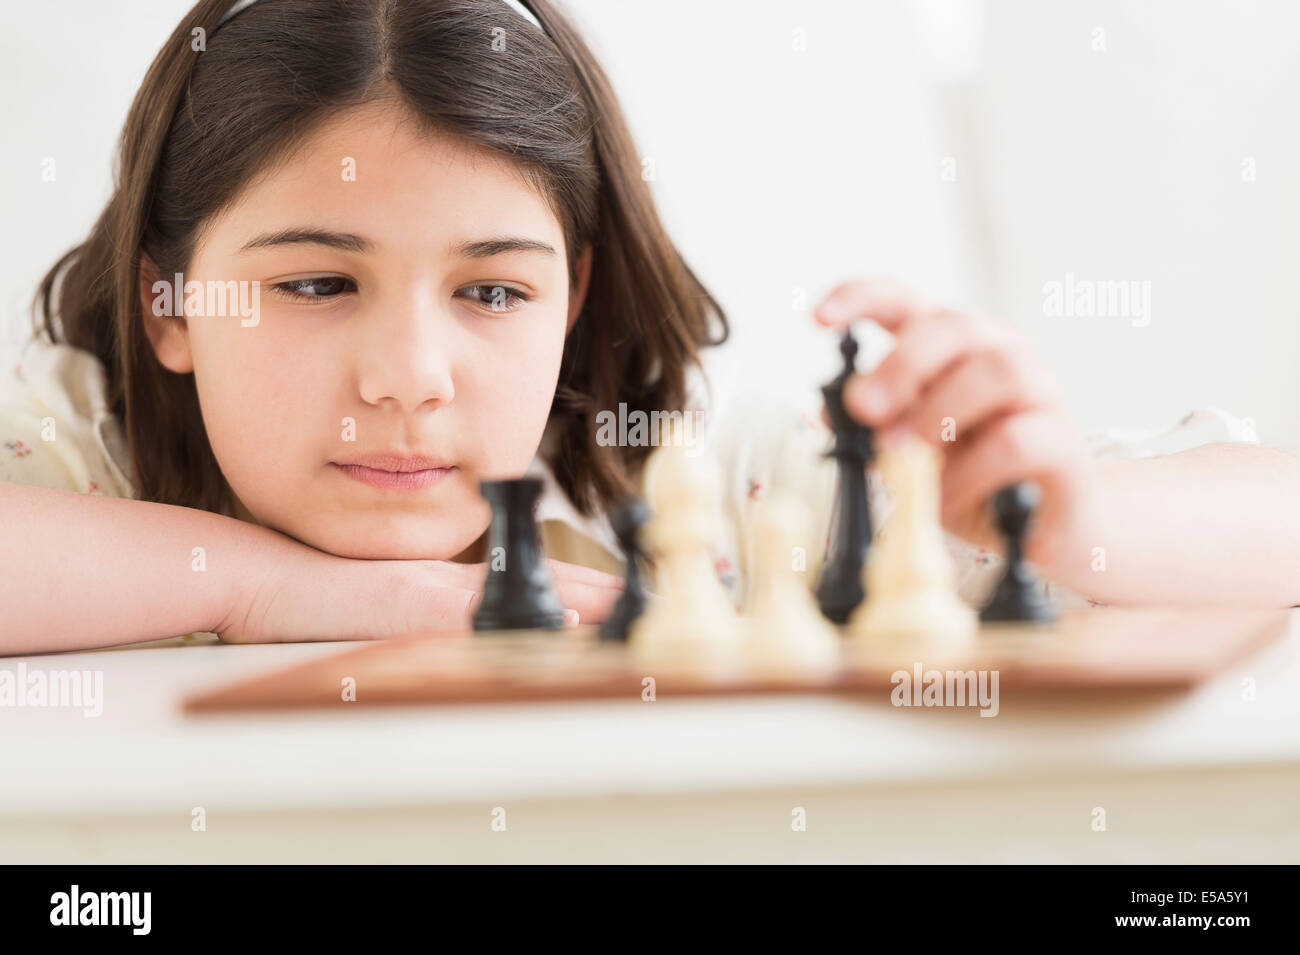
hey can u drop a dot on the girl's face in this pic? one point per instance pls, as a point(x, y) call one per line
point(412, 307)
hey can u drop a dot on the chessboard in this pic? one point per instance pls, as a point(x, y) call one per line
point(882, 605)
point(1088, 649)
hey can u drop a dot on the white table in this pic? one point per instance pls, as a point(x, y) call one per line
point(1200, 776)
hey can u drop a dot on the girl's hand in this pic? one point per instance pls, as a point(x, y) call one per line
point(317, 596)
point(970, 386)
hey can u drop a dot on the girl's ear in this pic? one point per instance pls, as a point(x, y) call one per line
point(161, 307)
point(579, 292)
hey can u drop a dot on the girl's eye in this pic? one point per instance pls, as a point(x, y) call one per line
point(319, 288)
point(496, 298)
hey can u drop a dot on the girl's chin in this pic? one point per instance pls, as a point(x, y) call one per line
point(373, 535)
point(404, 545)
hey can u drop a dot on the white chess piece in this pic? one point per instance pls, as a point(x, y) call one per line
point(786, 632)
point(691, 624)
point(909, 577)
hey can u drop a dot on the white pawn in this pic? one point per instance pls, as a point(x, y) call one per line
point(691, 624)
point(787, 633)
point(909, 577)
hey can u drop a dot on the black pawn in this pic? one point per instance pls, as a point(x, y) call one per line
point(627, 520)
point(839, 587)
point(1017, 596)
point(518, 594)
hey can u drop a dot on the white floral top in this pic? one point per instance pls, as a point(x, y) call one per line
point(57, 431)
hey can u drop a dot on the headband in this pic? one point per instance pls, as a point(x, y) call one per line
point(514, 5)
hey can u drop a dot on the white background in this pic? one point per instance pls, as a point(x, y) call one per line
point(781, 169)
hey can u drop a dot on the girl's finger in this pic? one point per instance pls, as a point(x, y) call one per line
point(470, 576)
point(882, 300)
point(925, 347)
point(1021, 447)
point(452, 608)
point(576, 573)
point(454, 574)
point(593, 603)
point(444, 608)
point(589, 594)
point(979, 387)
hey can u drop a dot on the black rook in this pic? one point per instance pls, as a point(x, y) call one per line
point(518, 594)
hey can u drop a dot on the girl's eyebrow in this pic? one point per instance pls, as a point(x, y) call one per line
point(349, 242)
point(486, 248)
point(344, 241)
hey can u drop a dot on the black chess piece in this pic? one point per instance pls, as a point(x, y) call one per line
point(518, 593)
point(1016, 596)
point(627, 520)
point(839, 587)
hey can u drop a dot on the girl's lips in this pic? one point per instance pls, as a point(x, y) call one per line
point(394, 480)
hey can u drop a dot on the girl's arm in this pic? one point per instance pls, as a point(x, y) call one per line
point(1214, 524)
point(79, 571)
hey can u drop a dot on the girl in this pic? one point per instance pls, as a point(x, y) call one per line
point(363, 254)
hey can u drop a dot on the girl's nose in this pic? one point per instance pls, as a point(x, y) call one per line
point(406, 354)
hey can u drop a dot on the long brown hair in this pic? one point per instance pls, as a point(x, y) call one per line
point(219, 104)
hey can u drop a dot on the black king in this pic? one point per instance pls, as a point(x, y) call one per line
point(840, 588)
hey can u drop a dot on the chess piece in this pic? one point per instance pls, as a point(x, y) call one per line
point(839, 589)
point(518, 593)
point(1017, 596)
point(910, 574)
point(786, 632)
point(692, 625)
point(627, 520)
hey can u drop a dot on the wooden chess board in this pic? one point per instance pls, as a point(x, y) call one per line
point(1086, 649)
